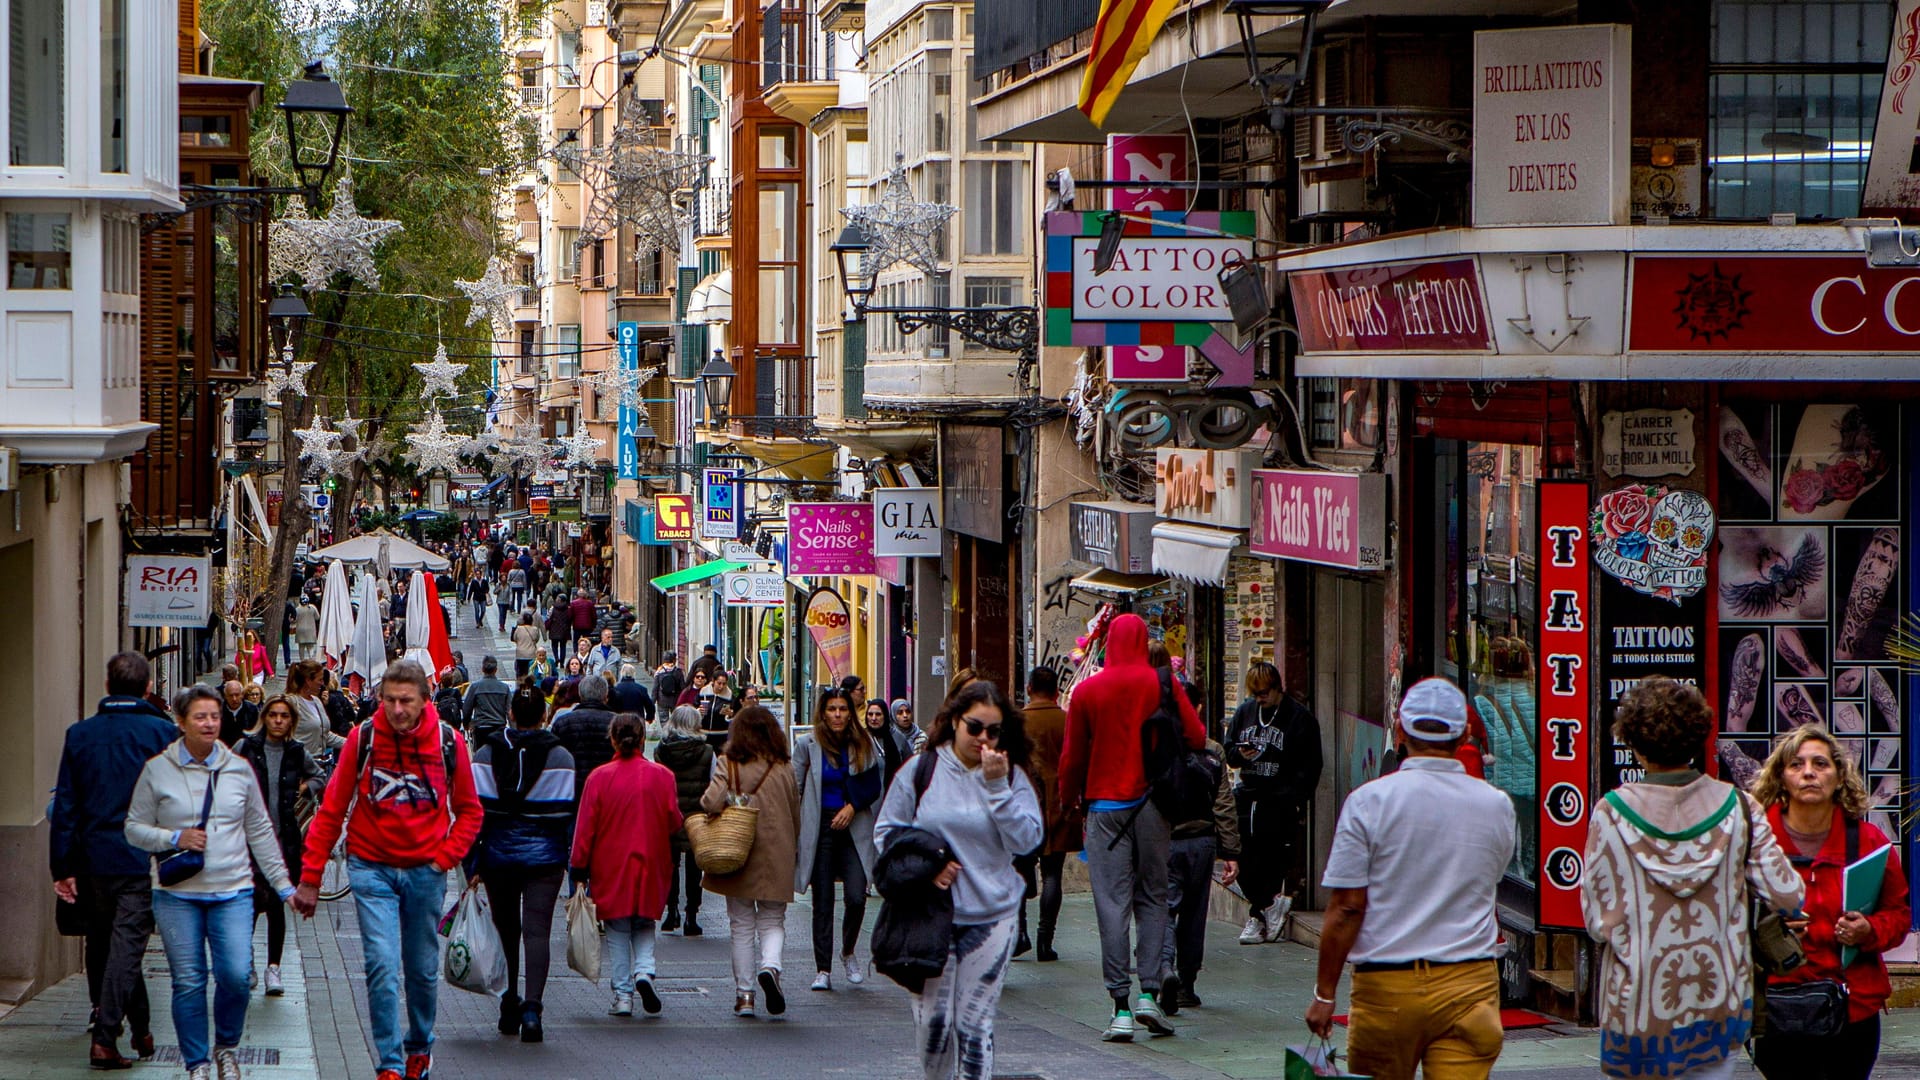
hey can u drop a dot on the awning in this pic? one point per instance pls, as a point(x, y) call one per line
point(489, 487)
point(711, 301)
point(691, 574)
point(1115, 583)
point(1193, 553)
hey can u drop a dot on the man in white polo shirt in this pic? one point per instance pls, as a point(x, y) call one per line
point(1416, 858)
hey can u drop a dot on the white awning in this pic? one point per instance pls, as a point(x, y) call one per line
point(1115, 583)
point(1193, 552)
point(711, 301)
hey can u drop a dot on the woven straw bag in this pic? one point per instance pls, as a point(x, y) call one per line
point(721, 842)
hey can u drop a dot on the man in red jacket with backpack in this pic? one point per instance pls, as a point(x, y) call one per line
point(1103, 768)
point(404, 793)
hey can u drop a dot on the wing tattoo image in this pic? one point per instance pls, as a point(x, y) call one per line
point(1781, 583)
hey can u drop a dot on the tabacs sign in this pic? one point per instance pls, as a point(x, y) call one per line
point(906, 522)
point(674, 516)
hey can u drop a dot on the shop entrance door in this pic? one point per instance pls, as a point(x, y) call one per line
point(1349, 699)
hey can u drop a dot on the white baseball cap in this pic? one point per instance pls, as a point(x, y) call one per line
point(1434, 699)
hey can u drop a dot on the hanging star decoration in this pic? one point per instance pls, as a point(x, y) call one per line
point(482, 445)
point(521, 452)
point(349, 426)
point(434, 447)
point(581, 448)
point(315, 249)
point(289, 376)
point(318, 446)
point(899, 229)
point(636, 181)
point(439, 375)
point(491, 296)
point(626, 383)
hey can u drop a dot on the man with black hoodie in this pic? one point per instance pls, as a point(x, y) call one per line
point(1102, 768)
point(583, 730)
point(1275, 742)
point(94, 866)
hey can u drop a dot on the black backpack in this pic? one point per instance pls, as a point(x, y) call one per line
point(1181, 782)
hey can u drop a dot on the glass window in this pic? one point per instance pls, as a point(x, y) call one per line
point(992, 291)
point(567, 364)
point(857, 159)
point(227, 323)
point(779, 222)
point(206, 130)
point(567, 173)
point(37, 84)
point(570, 58)
point(568, 253)
point(779, 146)
point(992, 216)
point(113, 85)
point(39, 251)
point(1345, 414)
point(940, 24)
point(940, 97)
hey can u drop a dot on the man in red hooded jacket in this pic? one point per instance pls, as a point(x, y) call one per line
point(410, 823)
point(1102, 769)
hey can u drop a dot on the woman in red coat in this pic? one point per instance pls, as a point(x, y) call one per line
point(623, 852)
point(1814, 797)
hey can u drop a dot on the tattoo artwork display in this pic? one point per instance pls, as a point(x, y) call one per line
point(1773, 574)
point(1847, 718)
point(1745, 455)
point(1794, 654)
point(1794, 703)
point(1868, 597)
point(1886, 706)
point(1743, 683)
point(1850, 682)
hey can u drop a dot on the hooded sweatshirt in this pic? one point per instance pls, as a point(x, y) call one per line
point(985, 824)
point(405, 812)
point(1100, 759)
point(1667, 876)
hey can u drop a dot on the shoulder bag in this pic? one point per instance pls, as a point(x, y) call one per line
point(1816, 1008)
point(179, 865)
point(721, 842)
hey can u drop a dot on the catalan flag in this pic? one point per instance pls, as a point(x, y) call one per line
point(1121, 37)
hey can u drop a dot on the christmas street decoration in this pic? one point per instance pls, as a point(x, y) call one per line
point(439, 375)
point(521, 452)
point(491, 296)
point(434, 447)
point(899, 229)
point(625, 383)
point(348, 426)
point(287, 377)
point(314, 249)
point(481, 445)
point(318, 446)
point(636, 181)
point(581, 448)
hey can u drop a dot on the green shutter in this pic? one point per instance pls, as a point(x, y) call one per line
point(853, 368)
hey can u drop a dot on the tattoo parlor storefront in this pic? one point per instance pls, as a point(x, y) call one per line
point(1618, 452)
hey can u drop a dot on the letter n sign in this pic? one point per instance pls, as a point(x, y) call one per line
point(1564, 687)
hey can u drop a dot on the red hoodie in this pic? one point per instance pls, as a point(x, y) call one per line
point(405, 815)
point(1101, 756)
point(1866, 978)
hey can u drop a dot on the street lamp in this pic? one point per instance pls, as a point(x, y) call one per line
point(286, 314)
point(320, 97)
point(717, 379)
point(850, 250)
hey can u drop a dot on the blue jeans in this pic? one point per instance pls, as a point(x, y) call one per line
point(398, 910)
point(187, 929)
point(630, 951)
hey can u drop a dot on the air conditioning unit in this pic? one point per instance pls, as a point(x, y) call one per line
point(1316, 140)
point(1666, 177)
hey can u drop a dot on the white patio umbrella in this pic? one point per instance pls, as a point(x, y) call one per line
point(419, 630)
point(367, 656)
point(402, 553)
point(336, 614)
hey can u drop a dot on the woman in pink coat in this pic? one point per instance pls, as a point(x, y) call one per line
point(623, 853)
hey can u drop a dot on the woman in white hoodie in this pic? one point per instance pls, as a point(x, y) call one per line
point(199, 796)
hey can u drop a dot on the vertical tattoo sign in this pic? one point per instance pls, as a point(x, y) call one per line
point(1565, 697)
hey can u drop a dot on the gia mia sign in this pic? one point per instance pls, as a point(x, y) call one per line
point(906, 522)
point(1565, 613)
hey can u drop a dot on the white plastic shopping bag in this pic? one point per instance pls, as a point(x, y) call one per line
point(583, 936)
point(475, 960)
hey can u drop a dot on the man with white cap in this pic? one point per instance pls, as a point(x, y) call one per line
point(1417, 856)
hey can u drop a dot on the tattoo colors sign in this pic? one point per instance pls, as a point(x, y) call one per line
point(830, 538)
point(832, 630)
point(1565, 692)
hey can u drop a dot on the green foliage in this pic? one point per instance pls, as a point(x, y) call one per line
point(441, 529)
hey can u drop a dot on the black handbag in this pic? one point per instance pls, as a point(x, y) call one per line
point(1816, 1009)
point(178, 865)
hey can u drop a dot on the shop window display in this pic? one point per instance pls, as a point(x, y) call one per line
point(1811, 586)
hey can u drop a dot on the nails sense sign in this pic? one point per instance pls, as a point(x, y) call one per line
point(1565, 686)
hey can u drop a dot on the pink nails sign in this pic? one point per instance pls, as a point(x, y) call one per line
point(830, 538)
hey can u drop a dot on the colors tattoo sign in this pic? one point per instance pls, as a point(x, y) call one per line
point(1565, 607)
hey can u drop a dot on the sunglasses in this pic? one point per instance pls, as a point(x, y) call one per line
point(976, 728)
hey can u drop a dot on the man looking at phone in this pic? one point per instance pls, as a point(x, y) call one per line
point(1275, 742)
point(1416, 859)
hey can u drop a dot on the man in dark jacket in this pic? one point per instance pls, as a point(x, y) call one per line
point(92, 863)
point(584, 615)
point(709, 662)
point(1196, 844)
point(668, 681)
point(687, 754)
point(583, 730)
point(628, 695)
point(560, 631)
point(485, 707)
point(1275, 742)
point(237, 714)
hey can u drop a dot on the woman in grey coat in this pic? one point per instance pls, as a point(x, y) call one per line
point(840, 772)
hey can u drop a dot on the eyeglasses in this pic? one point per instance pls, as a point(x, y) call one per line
point(976, 728)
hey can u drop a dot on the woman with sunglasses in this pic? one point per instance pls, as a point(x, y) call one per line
point(839, 770)
point(978, 800)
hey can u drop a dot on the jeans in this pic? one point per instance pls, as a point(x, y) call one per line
point(1443, 1020)
point(519, 597)
point(522, 905)
point(630, 950)
point(119, 913)
point(835, 858)
point(748, 921)
point(188, 928)
point(1128, 867)
point(398, 910)
point(479, 613)
point(693, 885)
point(1849, 1055)
point(1189, 880)
point(953, 1012)
point(502, 606)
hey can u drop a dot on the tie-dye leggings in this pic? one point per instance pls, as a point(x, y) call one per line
point(953, 1014)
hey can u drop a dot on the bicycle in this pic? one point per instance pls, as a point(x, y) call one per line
point(334, 881)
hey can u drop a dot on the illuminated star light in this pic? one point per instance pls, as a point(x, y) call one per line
point(439, 375)
point(434, 447)
point(899, 229)
point(317, 248)
point(278, 381)
point(521, 452)
point(581, 448)
point(318, 444)
point(491, 296)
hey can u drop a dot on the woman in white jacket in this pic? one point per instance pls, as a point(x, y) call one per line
point(194, 778)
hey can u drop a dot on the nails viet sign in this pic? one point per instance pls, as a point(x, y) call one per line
point(1333, 519)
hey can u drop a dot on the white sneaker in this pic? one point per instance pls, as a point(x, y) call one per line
point(1120, 1028)
point(822, 981)
point(275, 987)
point(622, 1005)
point(1276, 918)
point(1146, 1011)
point(855, 974)
point(226, 1063)
point(200, 1072)
point(1254, 932)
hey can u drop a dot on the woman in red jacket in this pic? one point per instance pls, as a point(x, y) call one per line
point(1814, 797)
point(623, 855)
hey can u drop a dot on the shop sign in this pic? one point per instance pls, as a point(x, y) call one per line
point(168, 590)
point(1434, 306)
point(673, 516)
point(627, 349)
point(753, 589)
point(1164, 285)
point(1551, 142)
point(1654, 540)
point(540, 491)
point(539, 505)
point(973, 476)
point(1892, 186)
point(830, 538)
point(1647, 443)
point(1208, 487)
point(1161, 158)
point(1333, 519)
point(1773, 303)
point(1641, 635)
point(831, 627)
point(566, 511)
point(1564, 740)
point(1115, 535)
point(735, 551)
point(720, 504)
point(906, 522)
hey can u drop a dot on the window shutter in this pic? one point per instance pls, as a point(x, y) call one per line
point(189, 37)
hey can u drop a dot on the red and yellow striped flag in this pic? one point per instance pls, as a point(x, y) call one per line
point(1121, 37)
